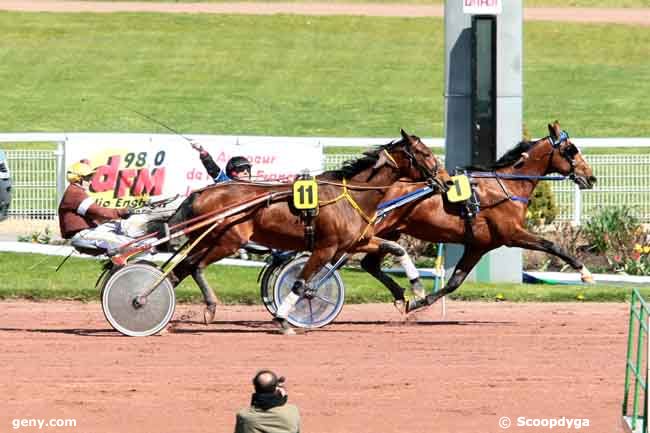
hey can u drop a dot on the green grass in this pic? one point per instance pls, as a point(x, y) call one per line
point(29, 146)
point(297, 75)
point(335, 150)
point(32, 276)
point(528, 3)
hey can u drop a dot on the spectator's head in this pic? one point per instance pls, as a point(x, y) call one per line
point(267, 382)
point(239, 168)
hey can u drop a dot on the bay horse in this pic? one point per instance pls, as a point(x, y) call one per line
point(345, 221)
point(503, 194)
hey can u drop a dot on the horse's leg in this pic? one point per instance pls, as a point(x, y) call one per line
point(371, 263)
point(226, 243)
point(208, 295)
point(316, 261)
point(190, 266)
point(524, 239)
point(380, 247)
point(465, 265)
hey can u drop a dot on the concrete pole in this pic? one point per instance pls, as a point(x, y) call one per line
point(503, 264)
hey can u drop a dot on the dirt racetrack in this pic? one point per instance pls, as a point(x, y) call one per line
point(368, 372)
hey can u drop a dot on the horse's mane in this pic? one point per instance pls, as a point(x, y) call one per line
point(510, 157)
point(353, 167)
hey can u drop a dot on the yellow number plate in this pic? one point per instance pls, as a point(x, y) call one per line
point(305, 194)
point(460, 190)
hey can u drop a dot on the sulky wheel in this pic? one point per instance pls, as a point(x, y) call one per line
point(131, 315)
point(320, 304)
point(267, 281)
point(269, 276)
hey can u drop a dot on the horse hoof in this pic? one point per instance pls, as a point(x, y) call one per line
point(208, 314)
point(588, 279)
point(400, 305)
point(288, 331)
point(418, 291)
point(284, 326)
point(414, 304)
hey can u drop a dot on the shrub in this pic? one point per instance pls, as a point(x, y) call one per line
point(542, 208)
point(637, 263)
point(38, 237)
point(611, 230)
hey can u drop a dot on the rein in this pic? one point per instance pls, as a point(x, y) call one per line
point(507, 176)
point(495, 175)
point(555, 144)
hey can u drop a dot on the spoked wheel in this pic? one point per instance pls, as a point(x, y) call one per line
point(269, 278)
point(267, 281)
point(130, 314)
point(320, 305)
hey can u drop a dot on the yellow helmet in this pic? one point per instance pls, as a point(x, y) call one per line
point(78, 171)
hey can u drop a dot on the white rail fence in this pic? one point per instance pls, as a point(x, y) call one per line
point(622, 180)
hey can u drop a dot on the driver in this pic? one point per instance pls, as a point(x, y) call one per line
point(238, 167)
point(84, 221)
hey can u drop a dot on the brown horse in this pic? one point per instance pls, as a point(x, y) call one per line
point(345, 222)
point(501, 220)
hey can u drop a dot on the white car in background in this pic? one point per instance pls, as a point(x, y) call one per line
point(5, 186)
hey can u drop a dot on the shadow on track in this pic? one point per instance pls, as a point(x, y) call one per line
point(255, 327)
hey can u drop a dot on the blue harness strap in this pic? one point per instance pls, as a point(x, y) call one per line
point(402, 200)
point(493, 175)
point(518, 198)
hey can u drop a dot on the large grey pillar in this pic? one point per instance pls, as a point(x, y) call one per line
point(504, 264)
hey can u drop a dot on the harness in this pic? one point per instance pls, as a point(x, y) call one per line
point(473, 205)
point(370, 220)
point(386, 207)
point(555, 144)
point(433, 184)
point(346, 195)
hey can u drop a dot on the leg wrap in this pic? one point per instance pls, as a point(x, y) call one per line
point(585, 275)
point(410, 269)
point(290, 301)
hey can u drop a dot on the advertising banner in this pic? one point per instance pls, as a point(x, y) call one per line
point(132, 168)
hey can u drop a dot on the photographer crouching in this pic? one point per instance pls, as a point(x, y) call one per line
point(269, 411)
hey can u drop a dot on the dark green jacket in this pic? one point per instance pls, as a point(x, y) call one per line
point(279, 419)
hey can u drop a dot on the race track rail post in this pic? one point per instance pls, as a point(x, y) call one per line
point(635, 364)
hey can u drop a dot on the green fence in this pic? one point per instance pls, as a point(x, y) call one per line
point(636, 367)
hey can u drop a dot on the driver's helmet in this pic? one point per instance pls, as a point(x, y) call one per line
point(78, 171)
point(237, 165)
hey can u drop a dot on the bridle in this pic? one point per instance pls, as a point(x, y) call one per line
point(568, 153)
point(423, 169)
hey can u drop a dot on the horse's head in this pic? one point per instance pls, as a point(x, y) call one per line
point(566, 159)
point(411, 157)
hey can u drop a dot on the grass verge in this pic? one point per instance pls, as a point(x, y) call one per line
point(298, 75)
point(529, 3)
point(33, 276)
